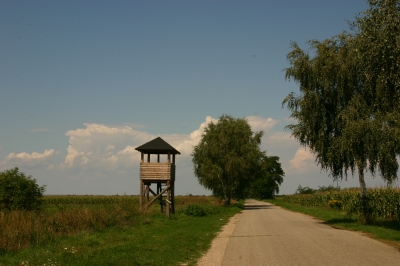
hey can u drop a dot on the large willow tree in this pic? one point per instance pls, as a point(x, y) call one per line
point(348, 109)
point(227, 157)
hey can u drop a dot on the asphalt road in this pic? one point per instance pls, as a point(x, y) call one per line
point(269, 235)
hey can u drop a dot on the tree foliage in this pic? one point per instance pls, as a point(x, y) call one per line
point(305, 190)
point(19, 192)
point(308, 190)
point(268, 179)
point(348, 107)
point(228, 158)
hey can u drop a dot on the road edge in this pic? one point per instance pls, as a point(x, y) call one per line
point(215, 254)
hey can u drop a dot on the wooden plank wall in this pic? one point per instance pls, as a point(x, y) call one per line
point(156, 171)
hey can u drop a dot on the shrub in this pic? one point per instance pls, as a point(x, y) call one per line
point(19, 192)
point(196, 210)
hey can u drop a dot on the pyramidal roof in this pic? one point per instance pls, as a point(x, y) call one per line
point(157, 146)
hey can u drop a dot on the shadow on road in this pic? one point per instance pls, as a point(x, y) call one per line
point(392, 225)
point(256, 207)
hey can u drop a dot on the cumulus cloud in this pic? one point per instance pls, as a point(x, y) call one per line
point(98, 151)
point(99, 145)
point(29, 159)
point(303, 160)
point(102, 147)
point(259, 123)
point(280, 139)
point(185, 143)
point(112, 147)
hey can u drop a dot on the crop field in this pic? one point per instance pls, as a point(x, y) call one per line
point(384, 203)
point(83, 226)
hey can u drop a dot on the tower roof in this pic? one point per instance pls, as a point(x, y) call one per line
point(157, 146)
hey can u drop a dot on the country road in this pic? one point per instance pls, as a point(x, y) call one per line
point(269, 235)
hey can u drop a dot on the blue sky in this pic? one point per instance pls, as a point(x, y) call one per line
point(85, 82)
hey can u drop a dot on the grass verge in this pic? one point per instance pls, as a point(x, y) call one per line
point(153, 240)
point(385, 231)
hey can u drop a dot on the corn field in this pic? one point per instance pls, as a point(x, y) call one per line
point(384, 203)
point(89, 200)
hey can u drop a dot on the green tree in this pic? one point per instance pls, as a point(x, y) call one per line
point(19, 192)
point(305, 190)
point(227, 156)
point(268, 178)
point(348, 107)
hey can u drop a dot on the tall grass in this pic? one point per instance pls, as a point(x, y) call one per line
point(20, 229)
point(384, 203)
point(69, 215)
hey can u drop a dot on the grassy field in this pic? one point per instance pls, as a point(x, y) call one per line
point(385, 230)
point(79, 230)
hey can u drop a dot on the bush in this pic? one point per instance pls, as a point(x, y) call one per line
point(19, 192)
point(196, 210)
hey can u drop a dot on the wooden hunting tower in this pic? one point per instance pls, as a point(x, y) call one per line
point(160, 173)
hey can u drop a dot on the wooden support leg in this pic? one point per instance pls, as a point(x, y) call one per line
point(158, 192)
point(173, 196)
point(147, 191)
point(168, 205)
point(141, 195)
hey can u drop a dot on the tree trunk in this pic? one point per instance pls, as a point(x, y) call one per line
point(364, 197)
point(227, 201)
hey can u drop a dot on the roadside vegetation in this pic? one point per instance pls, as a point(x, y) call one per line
point(110, 230)
point(344, 209)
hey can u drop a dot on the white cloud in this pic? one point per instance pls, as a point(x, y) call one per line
point(185, 143)
point(280, 140)
point(111, 147)
point(29, 159)
point(259, 123)
point(103, 146)
point(303, 160)
point(107, 152)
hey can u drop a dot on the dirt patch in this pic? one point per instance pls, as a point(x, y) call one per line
point(215, 254)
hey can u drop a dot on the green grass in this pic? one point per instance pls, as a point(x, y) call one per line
point(385, 231)
point(154, 240)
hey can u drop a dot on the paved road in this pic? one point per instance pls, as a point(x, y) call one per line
point(269, 235)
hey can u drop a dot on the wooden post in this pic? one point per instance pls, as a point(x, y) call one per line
point(173, 184)
point(158, 192)
point(168, 205)
point(141, 194)
point(148, 157)
point(147, 192)
point(173, 196)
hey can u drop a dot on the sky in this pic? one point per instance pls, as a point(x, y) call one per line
point(83, 83)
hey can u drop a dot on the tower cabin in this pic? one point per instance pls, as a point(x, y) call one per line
point(160, 173)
